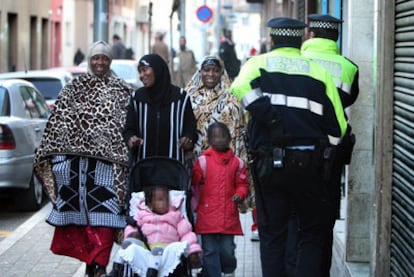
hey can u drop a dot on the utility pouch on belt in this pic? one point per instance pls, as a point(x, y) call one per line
point(278, 154)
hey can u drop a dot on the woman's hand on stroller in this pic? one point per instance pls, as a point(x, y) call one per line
point(134, 141)
point(237, 199)
point(195, 260)
point(186, 143)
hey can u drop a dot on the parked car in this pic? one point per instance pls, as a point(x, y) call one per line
point(125, 69)
point(23, 117)
point(73, 70)
point(48, 82)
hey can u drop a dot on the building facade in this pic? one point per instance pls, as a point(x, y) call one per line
point(39, 34)
point(24, 34)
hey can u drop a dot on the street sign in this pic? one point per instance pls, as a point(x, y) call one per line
point(204, 13)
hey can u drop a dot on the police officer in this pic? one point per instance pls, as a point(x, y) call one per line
point(322, 48)
point(295, 116)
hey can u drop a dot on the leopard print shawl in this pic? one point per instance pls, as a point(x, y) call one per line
point(87, 120)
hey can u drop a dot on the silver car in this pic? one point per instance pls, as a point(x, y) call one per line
point(48, 82)
point(23, 117)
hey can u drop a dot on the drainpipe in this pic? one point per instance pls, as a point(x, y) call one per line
point(100, 20)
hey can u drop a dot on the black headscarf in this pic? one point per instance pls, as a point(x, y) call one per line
point(162, 84)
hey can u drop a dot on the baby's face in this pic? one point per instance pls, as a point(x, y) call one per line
point(160, 201)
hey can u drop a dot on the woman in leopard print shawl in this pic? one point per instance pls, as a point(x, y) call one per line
point(82, 162)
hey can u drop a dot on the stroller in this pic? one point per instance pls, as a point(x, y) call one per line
point(154, 171)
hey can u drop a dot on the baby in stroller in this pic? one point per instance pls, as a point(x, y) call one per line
point(158, 235)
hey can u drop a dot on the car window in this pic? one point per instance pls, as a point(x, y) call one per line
point(49, 87)
point(29, 104)
point(4, 102)
point(39, 102)
point(125, 72)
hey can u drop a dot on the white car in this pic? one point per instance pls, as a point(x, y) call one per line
point(125, 69)
point(23, 117)
point(48, 82)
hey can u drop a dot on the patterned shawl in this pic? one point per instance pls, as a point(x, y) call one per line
point(216, 104)
point(87, 120)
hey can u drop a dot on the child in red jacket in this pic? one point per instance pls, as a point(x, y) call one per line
point(220, 181)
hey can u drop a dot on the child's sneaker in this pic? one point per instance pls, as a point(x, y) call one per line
point(255, 235)
point(117, 270)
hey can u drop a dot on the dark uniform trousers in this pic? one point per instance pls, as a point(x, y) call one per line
point(298, 186)
point(334, 191)
point(343, 154)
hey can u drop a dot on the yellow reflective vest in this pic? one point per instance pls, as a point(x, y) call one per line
point(283, 90)
point(343, 71)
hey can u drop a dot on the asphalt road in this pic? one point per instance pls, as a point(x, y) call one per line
point(10, 217)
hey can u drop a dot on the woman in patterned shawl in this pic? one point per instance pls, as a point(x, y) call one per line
point(212, 101)
point(82, 163)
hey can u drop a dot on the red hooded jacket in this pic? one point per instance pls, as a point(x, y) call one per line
point(217, 176)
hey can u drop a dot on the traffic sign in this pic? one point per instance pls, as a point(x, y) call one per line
point(204, 13)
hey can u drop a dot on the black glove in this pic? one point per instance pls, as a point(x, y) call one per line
point(131, 221)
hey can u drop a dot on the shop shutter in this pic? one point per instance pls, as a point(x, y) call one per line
point(402, 223)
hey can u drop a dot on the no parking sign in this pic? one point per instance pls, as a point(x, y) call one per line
point(204, 13)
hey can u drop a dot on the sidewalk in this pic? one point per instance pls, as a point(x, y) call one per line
point(26, 252)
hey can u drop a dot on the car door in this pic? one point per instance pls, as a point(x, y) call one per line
point(37, 113)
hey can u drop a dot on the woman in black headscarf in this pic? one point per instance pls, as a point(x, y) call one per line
point(160, 119)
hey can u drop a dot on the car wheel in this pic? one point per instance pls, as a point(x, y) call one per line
point(31, 199)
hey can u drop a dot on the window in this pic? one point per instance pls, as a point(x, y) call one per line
point(4, 102)
point(39, 103)
point(50, 87)
point(34, 104)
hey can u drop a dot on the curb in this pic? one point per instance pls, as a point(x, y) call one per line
point(26, 227)
point(23, 229)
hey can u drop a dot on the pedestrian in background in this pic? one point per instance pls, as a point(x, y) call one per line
point(187, 64)
point(118, 48)
point(82, 163)
point(322, 48)
point(160, 120)
point(79, 57)
point(295, 116)
point(227, 52)
point(221, 177)
point(160, 47)
point(263, 46)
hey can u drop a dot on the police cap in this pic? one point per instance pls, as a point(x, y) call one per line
point(324, 21)
point(286, 27)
